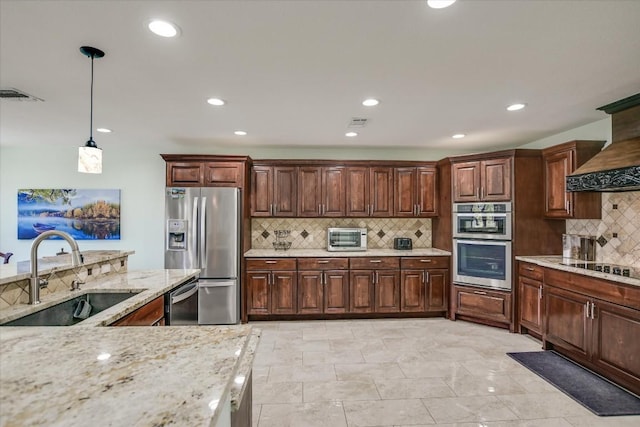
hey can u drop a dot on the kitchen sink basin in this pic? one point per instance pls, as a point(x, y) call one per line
point(71, 312)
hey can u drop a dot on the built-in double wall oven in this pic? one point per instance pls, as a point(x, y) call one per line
point(482, 244)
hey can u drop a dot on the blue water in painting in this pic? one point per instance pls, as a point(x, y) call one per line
point(79, 229)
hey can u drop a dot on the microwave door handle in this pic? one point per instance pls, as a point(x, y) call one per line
point(194, 231)
point(203, 234)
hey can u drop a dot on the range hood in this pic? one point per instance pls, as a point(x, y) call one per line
point(617, 166)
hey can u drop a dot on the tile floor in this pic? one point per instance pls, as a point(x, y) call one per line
point(404, 372)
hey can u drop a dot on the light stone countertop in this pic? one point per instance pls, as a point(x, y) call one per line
point(179, 375)
point(323, 253)
point(555, 261)
point(22, 269)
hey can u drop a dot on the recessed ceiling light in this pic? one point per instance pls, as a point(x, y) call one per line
point(216, 101)
point(104, 130)
point(516, 107)
point(163, 28)
point(440, 4)
point(458, 136)
point(240, 133)
point(351, 134)
point(370, 102)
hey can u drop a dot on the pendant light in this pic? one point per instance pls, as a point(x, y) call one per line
point(90, 156)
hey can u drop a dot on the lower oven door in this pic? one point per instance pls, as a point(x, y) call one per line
point(485, 263)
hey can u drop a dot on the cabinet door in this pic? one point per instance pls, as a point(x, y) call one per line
point(412, 291)
point(483, 304)
point(496, 180)
point(259, 296)
point(150, 314)
point(283, 292)
point(361, 291)
point(531, 304)
point(285, 191)
point(187, 174)
point(310, 292)
point(261, 191)
point(404, 202)
point(336, 291)
point(357, 192)
point(566, 321)
point(333, 192)
point(387, 291)
point(309, 191)
point(381, 191)
point(426, 197)
point(466, 181)
point(617, 342)
point(223, 174)
point(437, 289)
point(556, 168)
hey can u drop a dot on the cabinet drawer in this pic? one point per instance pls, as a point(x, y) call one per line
point(271, 264)
point(374, 262)
point(425, 262)
point(147, 315)
point(323, 263)
point(531, 271)
point(485, 304)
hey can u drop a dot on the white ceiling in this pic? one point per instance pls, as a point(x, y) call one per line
point(295, 72)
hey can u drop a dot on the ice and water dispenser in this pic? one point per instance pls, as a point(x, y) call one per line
point(177, 239)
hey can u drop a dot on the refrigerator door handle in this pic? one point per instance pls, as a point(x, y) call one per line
point(203, 234)
point(184, 293)
point(194, 230)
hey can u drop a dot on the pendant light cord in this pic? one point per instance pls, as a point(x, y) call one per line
point(91, 109)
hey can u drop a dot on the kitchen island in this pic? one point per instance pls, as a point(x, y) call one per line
point(94, 374)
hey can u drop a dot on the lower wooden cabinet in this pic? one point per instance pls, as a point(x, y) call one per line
point(271, 286)
point(488, 305)
point(323, 285)
point(374, 284)
point(424, 284)
point(530, 294)
point(150, 314)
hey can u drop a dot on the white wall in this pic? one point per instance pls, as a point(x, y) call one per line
point(140, 175)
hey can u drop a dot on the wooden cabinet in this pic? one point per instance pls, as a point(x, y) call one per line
point(274, 191)
point(488, 305)
point(191, 173)
point(323, 285)
point(530, 280)
point(374, 285)
point(424, 284)
point(560, 161)
point(369, 191)
point(596, 323)
point(415, 192)
point(321, 191)
point(150, 314)
point(271, 286)
point(482, 180)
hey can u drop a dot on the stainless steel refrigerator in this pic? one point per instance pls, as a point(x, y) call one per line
point(202, 230)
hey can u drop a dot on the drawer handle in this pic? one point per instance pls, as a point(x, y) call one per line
point(425, 260)
point(324, 261)
point(271, 262)
point(375, 261)
point(479, 293)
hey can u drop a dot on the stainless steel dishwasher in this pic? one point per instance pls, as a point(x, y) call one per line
point(182, 304)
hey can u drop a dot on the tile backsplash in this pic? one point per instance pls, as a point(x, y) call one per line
point(311, 233)
point(620, 226)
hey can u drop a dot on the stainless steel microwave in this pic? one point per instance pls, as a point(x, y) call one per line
point(346, 239)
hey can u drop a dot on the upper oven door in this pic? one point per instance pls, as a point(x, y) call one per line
point(482, 221)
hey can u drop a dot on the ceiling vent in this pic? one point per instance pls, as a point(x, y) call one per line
point(358, 122)
point(17, 95)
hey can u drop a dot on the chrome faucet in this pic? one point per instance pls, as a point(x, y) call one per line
point(36, 283)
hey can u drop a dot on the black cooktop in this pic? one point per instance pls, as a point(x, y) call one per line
point(618, 270)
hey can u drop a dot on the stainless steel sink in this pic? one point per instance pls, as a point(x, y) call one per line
point(63, 314)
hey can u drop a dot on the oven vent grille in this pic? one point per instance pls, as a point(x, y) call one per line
point(17, 95)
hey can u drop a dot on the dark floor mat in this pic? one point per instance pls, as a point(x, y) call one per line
point(592, 391)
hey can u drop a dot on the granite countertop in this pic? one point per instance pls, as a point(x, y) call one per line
point(147, 376)
point(555, 261)
point(22, 270)
point(323, 253)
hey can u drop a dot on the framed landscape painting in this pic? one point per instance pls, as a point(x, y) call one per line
point(84, 214)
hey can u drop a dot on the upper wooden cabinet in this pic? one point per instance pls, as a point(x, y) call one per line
point(415, 192)
point(369, 191)
point(274, 191)
point(560, 161)
point(483, 180)
point(205, 171)
point(321, 191)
